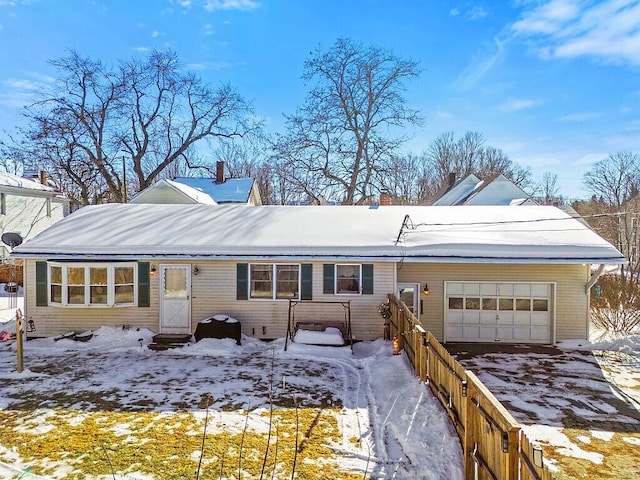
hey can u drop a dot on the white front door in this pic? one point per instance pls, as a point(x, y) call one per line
point(409, 294)
point(175, 299)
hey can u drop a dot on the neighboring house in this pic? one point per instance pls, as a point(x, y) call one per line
point(470, 190)
point(28, 206)
point(209, 191)
point(494, 274)
point(169, 191)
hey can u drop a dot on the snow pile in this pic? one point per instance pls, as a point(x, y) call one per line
point(330, 336)
point(108, 339)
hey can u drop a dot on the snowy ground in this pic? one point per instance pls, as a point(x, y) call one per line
point(387, 423)
point(581, 401)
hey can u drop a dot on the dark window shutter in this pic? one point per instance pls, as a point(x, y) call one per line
point(242, 281)
point(367, 279)
point(41, 284)
point(144, 296)
point(328, 278)
point(306, 284)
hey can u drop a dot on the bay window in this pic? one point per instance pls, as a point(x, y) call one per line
point(92, 284)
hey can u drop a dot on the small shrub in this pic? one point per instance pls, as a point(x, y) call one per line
point(617, 309)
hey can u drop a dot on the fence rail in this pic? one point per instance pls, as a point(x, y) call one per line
point(493, 443)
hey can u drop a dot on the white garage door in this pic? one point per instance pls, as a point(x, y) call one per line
point(498, 312)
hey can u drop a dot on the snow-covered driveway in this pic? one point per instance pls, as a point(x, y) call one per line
point(370, 414)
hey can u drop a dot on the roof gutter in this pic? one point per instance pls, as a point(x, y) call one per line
point(594, 278)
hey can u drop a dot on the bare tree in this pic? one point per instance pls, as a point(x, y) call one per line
point(248, 157)
point(613, 209)
point(614, 179)
point(139, 117)
point(409, 179)
point(351, 122)
point(548, 188)
point(470, 154)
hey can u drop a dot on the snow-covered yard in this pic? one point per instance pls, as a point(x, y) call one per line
point(580, 401)
point(86, 410)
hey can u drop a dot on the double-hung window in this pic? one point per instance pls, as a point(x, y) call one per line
point(274, 281)
point(92, 284)
point(348, 279)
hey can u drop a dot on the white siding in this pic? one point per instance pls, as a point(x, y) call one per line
point(162, 194)
point(571, 302)
point(214, 291)
point(28, 215)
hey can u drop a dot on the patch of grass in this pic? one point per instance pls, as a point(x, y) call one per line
point(167, 446)
point(620, 458)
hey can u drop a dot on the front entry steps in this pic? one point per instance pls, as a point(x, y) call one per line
point(165, 341)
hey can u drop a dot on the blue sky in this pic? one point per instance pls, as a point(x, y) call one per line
point(553, 83)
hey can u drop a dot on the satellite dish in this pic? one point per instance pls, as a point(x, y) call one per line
point(12, 239)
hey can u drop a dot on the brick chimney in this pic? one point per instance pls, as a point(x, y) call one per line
point(452, 178)
point(385, 198)
point(44, 178)
point(220, 178)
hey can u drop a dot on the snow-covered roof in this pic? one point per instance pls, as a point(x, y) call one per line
point(10, 180)
point(499, 191)
point(459, 191)
point(232, 190)
point(185, 192)
point(195, 193)
point(473, 191)
point(525, 234)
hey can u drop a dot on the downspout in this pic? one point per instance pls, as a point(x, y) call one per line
point(594, 278)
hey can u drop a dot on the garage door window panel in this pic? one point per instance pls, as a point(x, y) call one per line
point(540, 305)
point(489, 303)
point(472, 303)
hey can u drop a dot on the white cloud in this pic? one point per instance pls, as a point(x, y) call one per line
point(141, 49)
point(608, 31)
point(230, 5)
point(208, 29)
point(443, 115)
point(538, 161)
point(590, 158)
point(476, 13)
point(548, 18)
point(23, 84)
point(580, 117)
point(19, 92)
point(480, 65)
point(473, 13)
point(518, 104)
point(208, 66)
point(155, 34)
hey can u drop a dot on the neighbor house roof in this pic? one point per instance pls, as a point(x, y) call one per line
point(186, 193)
point(232, 190)
point(458, 191)
point(17, 183)
point(498, 190)
point(526, 234)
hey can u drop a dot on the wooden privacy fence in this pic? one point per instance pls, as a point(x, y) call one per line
point(494, 446)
